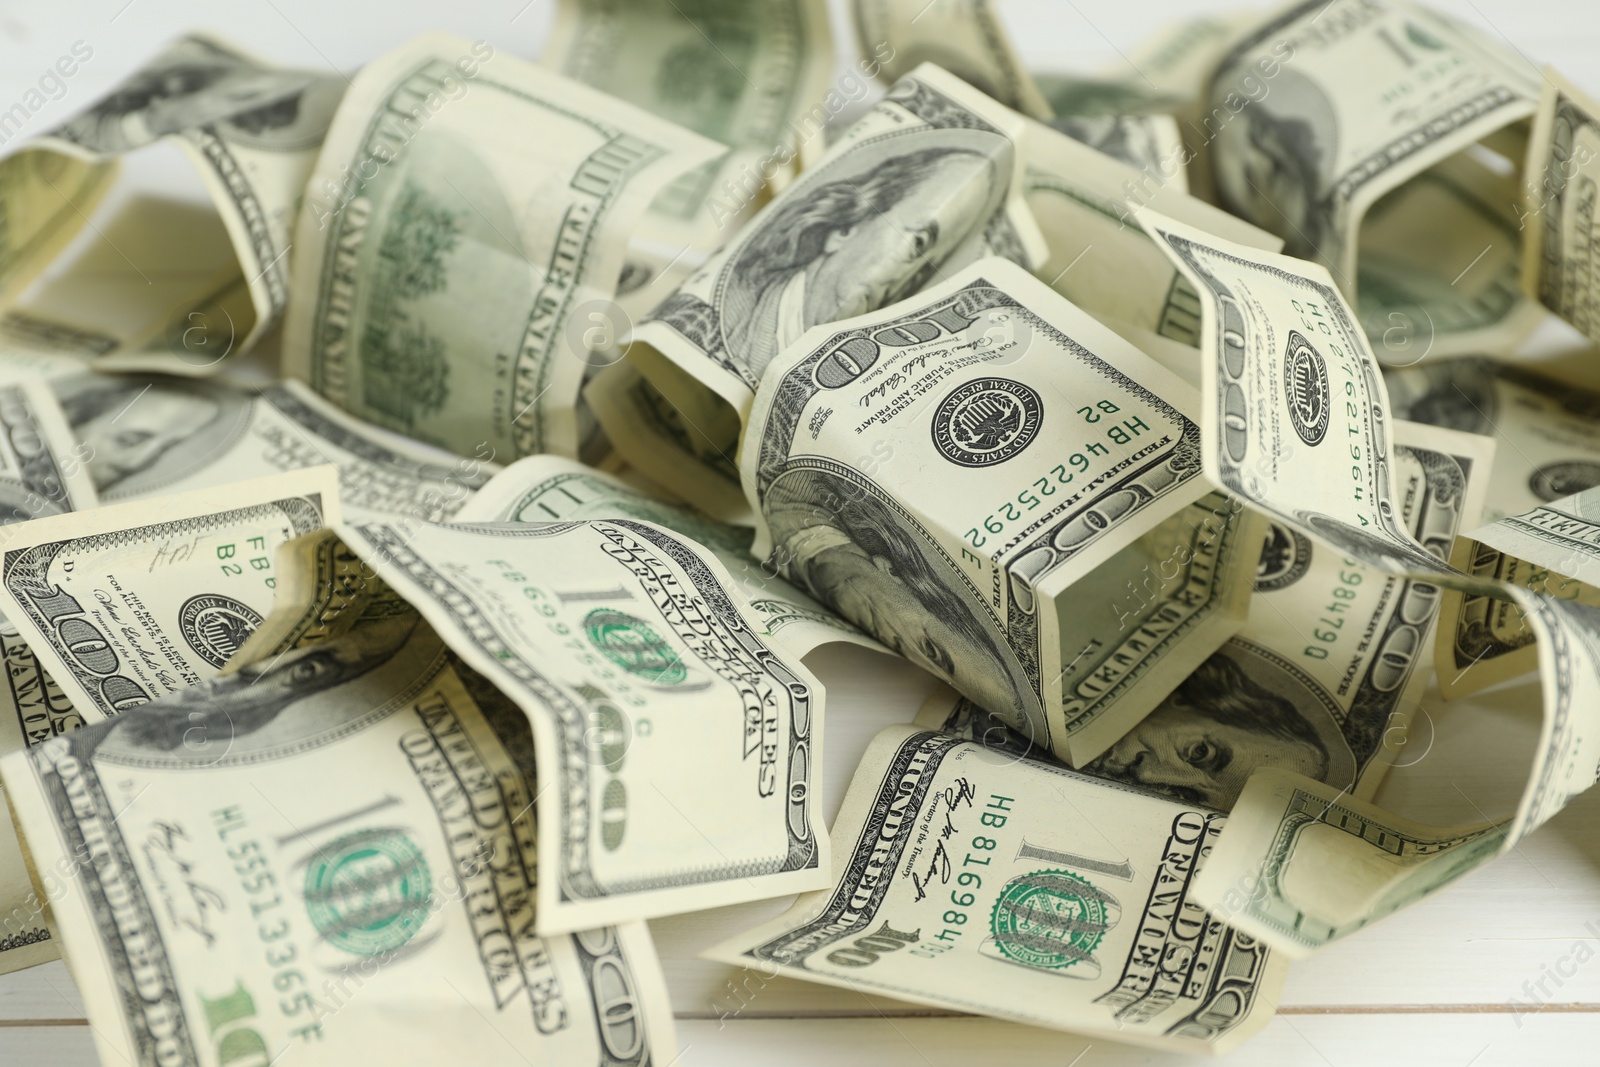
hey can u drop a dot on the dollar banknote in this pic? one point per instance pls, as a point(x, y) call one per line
point(977, 476)
point(32, 711)
point(43, 470)
point(553, 489)
point(1328, 669)
point(1561, 267)
point(1277, 337)
point(1324, 676)
point(42, 193)
point(1144, 108)
point(1302, 866)
point(927, 181)
point(1125, 120)
point(252, 130)
point(678, 748)
point(661, 440)
point(1546, 432)
point(1149, 143)
point(130, 602)
point(36, 346)
point(324, 591)
point(1552, 548)
point(967, 881)
point(452, 281)
point(182, 308)
point(752, 76)
point(965, 37)
point(319, 857)
point(1099, 258)
point(153, 436)
point(1335, 126)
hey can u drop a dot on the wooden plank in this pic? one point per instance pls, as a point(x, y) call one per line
point(46, 1046)
point(1427, 1040)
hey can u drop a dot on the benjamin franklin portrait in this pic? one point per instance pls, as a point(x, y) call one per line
point(143, 434)
point(1203, 741)
point(872, 228)
point(1275, 155)
point(840, 540)
point(272, 707)
point(197, 83)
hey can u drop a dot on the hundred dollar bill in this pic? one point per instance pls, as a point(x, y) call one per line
point(975, 476)
point(1561, 242)
point(677, 747)
point(749, 75)
point(183, 307)
point(965, 37)
point(127, 603)
point(1326, 673)
point(1547, 432)
point(43, 195)
point(36, 346)
point(663, 442)
point(929, 180)
point(324, 591)
point(1124, 120)
point(1151, 144)
point(553, 489)
point(1300, 873)
point(1322, 679)
point(151, 436)
point(1296, 418)
point(319, 858)
point(252, 130)
point(969, 881)
point(43, 471)
point(1304, 865)
point(32, 711)
point(1144, 109)
point(1099, 257)
point(449, 273)
point(1349, 129)
point(1552, 548)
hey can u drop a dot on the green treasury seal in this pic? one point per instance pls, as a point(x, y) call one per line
point(368, 892)
point(631, 644)
point(1050, 919)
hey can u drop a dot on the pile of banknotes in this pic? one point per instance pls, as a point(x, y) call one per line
point(411, 596)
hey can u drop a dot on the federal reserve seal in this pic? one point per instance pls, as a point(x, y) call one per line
point(1305, 386)
point(634, 646)
point(1051, 919)
point(215, 626)
point(1285, 558)
point(369, 892)
point(987, 421)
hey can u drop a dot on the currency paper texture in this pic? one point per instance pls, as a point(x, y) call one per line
point(959, 885)
point(977, 476)
point(447, 272)
point(318, 858)
point(677, 749)
point(130, 602)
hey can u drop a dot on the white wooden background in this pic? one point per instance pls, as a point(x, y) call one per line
point(1502, 968)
